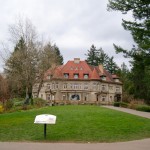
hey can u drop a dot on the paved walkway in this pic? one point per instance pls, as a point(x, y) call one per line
point(130, 111)
point(132, 145)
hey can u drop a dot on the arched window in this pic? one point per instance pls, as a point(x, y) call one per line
point(75, 97)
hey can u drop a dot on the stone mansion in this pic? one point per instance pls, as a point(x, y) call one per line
point(78, 82)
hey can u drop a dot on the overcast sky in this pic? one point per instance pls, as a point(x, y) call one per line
point(74, 25)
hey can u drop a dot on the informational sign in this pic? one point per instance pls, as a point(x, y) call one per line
point(45, 119)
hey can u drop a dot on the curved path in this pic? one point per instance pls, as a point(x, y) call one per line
point(130, 111)
point(132, 145)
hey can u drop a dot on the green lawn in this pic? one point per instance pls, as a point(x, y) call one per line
point(74, 124)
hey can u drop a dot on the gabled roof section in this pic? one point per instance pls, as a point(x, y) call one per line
point(114, 76)
point(95, 74)
point(80, 69)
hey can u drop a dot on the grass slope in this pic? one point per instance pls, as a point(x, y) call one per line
point(74, 124)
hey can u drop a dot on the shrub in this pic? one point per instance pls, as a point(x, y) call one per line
point(16, 104)
point(117, 104)
point(132, 106)
point(8, 104)
point(39, 102)
point(26, 107)
point(122, 104)
point(145, 108)
point(1, 109)
point(18, 99)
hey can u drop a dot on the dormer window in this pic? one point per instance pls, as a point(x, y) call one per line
point(76, 76)
point(86, 76)
point(103, 77)
point(76, 68)
point(49, 76)
point(116, 80)
point(115, 77)
point(66, 75)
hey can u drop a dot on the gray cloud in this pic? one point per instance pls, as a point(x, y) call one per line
point(74, 25)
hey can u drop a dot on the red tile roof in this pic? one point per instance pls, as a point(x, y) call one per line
point(80, 68)
point(95, 74)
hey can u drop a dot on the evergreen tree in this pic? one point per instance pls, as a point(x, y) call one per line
point(140, 30)
point(98, 56)
point(92, 56)
point(58, 54)
point(111, 66)
point(140, 27)
point(102, 58)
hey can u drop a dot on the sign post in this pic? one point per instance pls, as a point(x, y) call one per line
point(44, 131)
point(45, 119)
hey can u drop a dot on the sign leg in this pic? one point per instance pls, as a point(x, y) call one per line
point(44, 131)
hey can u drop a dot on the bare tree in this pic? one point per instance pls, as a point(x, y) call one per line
point(22, 65)
point(30, 58)
point(48, 59)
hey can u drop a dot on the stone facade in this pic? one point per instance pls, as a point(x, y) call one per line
point(78, 82)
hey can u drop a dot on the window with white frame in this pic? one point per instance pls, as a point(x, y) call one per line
point(65, 86)
point(103, 98)
point(49, 76)
point(103, 77)
point(117, 89)
point(48, 86)
point(56, 85)
point(110, 88)
point(76, 76)
point(53, 86)
point(66, 75)
point(103, 87)
point(71, 86)
point(76, 86)
point(75, 96)
point(86, 76)
point(85, 86)
point(94, 86)
point(48, 97)
point(110, 98)
point(80, 86)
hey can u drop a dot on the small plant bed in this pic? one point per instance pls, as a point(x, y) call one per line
point(139, 107)
point(74, 124)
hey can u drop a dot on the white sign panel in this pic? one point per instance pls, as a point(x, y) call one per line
point(45, 119)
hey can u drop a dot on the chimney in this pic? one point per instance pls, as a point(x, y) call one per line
point(76, 60)
point(101, 68)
